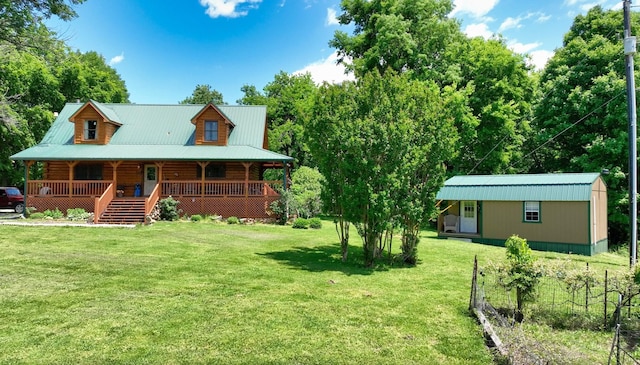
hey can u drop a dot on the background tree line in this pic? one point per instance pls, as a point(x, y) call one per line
point(428, 103)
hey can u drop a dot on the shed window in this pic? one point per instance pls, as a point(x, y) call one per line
point(532, 211)
point(212, 171)
point(211, 130)
point(90, 129)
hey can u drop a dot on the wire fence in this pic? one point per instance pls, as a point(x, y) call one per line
point(576, 298)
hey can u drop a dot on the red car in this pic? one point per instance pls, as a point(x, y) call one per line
point(10, 197)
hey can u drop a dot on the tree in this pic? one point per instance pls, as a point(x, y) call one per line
point(204, 94)
point(502, 93)
point(388, 141)
point(415, 36)
point(251, 96)
point(580, 122)
point(306, 187)
point(519, 272)
point(20, 18)
point(84, 76)
point(289, 101)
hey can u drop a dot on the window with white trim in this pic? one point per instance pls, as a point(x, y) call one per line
point(90, 129)
point(532, 211)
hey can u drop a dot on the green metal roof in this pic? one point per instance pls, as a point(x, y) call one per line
point(525, 187)
point(153, 132)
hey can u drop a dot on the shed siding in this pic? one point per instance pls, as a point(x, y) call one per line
point(562, 222)
point(599, 216)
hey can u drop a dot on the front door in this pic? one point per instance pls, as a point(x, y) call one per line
point(150, 178)
point(469, 217)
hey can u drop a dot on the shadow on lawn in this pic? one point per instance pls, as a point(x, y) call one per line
point(322, 258)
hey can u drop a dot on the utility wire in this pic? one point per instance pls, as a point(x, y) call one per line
point(569, 127)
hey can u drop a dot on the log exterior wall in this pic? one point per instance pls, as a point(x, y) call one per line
point(105, 130)
point(223, 127)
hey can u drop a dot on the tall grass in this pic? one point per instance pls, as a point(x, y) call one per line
point(230, 294)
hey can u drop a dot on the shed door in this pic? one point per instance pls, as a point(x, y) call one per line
point(150, 178)
point(469, 216)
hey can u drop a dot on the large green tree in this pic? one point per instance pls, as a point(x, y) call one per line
point(581, 122)
point(289, 99)
point(418, 38)
point(204, 94)
point(414, 36)
point(21, 19)
point(501, 93)
point(381, 144)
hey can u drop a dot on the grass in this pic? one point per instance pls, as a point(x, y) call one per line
point(215, 293)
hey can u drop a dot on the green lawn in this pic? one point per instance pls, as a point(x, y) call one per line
point(215, 293)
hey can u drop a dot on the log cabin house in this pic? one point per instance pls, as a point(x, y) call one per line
point(118, 160)
point(562, 212)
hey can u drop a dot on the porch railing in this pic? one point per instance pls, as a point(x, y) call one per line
point(221, 188)
point(103, 202)
point(151, 200)
point(67, 187)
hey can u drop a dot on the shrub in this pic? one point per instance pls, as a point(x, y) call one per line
point(315, 223)
point(233, 220)
point(301, 223)
point(281, 207)
point(37, 215)
point(196, 218)
point(77, 214)
point(169, 209)
point(53, 214)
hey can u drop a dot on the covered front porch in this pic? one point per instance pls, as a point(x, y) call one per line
point(460, 219)
point(200, 187)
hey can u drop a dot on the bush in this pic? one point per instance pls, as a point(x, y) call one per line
point(53, 214)
point(315, 223)
point(77, 214)
point(196, 218)
point(233, 220)
point(281, 207)
point(37, 215)
point(301, 223)
point(169, 209)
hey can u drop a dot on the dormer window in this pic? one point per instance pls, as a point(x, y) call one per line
point(90, 129)
point(211, 130)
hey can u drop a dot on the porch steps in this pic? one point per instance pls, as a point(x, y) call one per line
point(124, 211)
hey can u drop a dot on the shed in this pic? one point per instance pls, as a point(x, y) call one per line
point(561, 212)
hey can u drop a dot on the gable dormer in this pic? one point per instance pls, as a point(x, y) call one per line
point(213, 127)
point(94, 124)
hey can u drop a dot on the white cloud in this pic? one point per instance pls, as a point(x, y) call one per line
point(327, 70)
point(543, 18)
point(478, 30)
point(228, 8)
point(117, 59)
point(539, 58)
point(332, 18)
point(510, 23)
point(476, 8)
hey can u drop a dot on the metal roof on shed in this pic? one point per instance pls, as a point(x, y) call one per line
point(525, 187)
point(152, 132)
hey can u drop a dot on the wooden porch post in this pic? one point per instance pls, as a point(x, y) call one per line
point(114, 175)
point(246, 165)
point(27, 167)
point(203, 167)
point(71, 165)
point(160, 174)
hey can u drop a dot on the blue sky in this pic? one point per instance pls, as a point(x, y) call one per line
point(164, 48)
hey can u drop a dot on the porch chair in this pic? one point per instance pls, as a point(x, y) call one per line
point(450, 223)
